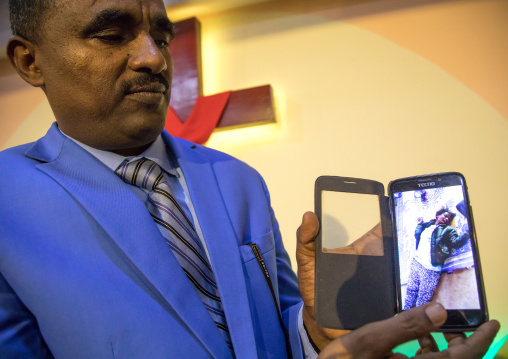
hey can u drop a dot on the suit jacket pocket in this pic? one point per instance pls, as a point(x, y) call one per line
point(264, 307)
point(265, 244)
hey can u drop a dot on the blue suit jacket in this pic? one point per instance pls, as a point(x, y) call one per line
point(85, 272)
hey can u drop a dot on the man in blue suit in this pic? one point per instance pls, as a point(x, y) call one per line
point(85, 271)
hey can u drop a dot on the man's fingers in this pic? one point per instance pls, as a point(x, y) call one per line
point(476, 345)
point(377, 340)
point(371, 243)
point(305, 251)
point(427, 345)
point(455, 338)
point(308, 229)
point(381, 337)
point(415, 323)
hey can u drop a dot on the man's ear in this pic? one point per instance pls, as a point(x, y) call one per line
point(23, 55)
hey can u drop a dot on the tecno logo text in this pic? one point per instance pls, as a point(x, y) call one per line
point(428, 184)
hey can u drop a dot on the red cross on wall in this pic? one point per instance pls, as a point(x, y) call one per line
point(193, 116)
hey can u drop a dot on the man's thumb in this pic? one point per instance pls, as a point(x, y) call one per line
point(308, 230)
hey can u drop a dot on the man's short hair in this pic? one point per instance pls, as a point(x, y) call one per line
point(28, 17)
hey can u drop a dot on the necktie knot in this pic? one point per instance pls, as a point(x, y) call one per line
point(140, 172)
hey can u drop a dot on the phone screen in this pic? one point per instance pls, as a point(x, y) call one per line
point(437, 257)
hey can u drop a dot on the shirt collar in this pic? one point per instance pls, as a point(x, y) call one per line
point(156, 152)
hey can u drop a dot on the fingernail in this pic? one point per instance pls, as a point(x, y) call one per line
point(436, 313)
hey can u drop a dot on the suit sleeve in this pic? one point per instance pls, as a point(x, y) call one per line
point(20, 336)
point(19, 333)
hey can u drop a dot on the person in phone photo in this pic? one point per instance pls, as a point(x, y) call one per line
point(435, 241)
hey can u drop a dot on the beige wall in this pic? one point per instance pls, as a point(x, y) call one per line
point(377, 90)
point(376, 93)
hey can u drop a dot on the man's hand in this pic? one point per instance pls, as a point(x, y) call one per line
point(369, 244)
point(305, 258)
point(377, 340)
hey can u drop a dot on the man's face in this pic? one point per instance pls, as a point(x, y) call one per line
point(107, 71)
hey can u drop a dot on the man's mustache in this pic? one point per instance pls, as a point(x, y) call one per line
point(146, 81)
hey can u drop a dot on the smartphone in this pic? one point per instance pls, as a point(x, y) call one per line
point(436, 251)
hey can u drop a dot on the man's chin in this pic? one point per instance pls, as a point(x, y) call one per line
point(131, 149)
point(137, 138)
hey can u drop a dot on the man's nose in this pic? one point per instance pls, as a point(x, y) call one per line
point(147, 55)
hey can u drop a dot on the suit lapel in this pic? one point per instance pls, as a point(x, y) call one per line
point(127, 222)
point(221, 242)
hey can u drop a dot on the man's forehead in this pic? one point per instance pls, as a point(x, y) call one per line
point(85, 9)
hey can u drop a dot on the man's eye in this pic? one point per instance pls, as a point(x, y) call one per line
point(162, 43)
point(110, 39)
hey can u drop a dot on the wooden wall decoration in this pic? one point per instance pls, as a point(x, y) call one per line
point(193, 116)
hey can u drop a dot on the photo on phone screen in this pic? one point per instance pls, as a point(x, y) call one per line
point(434, 238)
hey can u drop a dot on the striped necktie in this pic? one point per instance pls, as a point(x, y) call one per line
point(179, 233)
